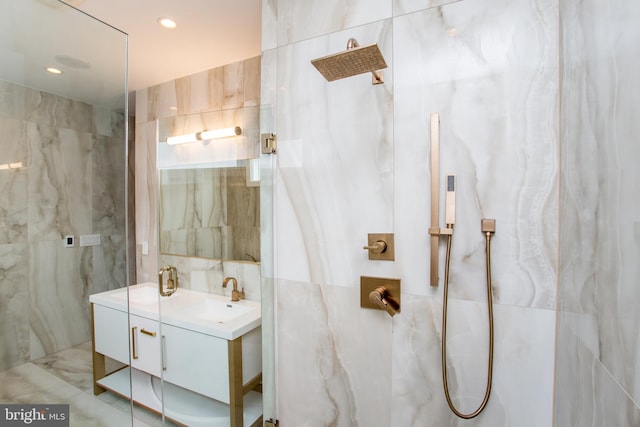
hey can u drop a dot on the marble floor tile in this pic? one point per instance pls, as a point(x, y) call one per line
point(66, 378)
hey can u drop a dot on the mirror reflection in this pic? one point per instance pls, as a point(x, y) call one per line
point(211, 212)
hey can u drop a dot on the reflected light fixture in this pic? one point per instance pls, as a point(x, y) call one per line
point(205, 135)
point(167, 23)
point(16, 165)
point(53, 70)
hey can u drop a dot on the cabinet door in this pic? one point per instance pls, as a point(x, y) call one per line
point(146, 352)
point(110, 333)
point(197, 362)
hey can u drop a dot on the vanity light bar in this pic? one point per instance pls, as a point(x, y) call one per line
point(7, 166)
point(205, 135)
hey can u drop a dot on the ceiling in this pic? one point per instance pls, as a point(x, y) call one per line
point(39, 33)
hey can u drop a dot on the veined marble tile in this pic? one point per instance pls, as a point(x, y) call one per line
point(338, 353)
point(335, 163)
point(108, 185)
point(490, 70)
point(29, 383)
point(12, 100)
point(59, 181)
point(58, 293)
point(586, 392)
point(14, 305)
point(146, 200)
point(522, 389)
point(162, 101)
point(600, 212)
point(269, 35)
point(48, 109)
point(13, 182)
point(300, 20)
point(401, 7)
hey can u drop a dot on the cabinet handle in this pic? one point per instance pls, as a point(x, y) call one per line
point(150, 333)
point(164, 353)
point(133, 342)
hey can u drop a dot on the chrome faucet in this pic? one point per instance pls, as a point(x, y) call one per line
point(172, 284)
point(236, 295)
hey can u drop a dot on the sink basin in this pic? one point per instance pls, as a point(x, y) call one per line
point(218, 311)
point(207, 313)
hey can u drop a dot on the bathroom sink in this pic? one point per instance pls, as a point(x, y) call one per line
point(215, 315)
point(207, 313)
point(219, 311)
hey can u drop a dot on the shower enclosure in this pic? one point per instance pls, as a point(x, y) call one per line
point(63, 157)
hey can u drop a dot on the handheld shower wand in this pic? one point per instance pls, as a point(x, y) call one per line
point(488, 227)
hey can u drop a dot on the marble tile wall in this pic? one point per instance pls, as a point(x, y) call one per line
point(72, 184)
point(199, 96)
point(354, 158)
point(597, 352)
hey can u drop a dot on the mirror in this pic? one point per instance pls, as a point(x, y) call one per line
point(209, 188)
point(211, 212)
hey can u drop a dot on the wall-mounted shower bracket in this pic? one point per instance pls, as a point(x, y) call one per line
point(268, 143)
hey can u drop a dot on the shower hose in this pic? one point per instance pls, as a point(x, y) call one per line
point(444, 330)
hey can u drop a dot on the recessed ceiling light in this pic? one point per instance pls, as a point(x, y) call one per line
point(53, 70)
point(167, 23)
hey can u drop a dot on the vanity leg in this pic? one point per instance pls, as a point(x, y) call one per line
point(99, 370)
point(236, 392)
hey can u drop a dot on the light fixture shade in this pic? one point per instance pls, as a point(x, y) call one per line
point(182, 139)
point(220, 133)
point(205, 135)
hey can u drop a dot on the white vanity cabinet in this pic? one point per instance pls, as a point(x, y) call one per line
point(186, 361)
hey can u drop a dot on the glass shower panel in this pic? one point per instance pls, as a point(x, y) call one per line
point(210, 217)
point(63, 232)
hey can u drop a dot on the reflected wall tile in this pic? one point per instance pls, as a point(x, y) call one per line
point(523, 354)
point(108, 122)
point(12, 100)
point(300, 20)
point(14, 205)
point(335, 163)
point(401, 7)
point(146, 199)
point(108, 182)
point(59, 182)
point(331, 374)
point(207, 275)
point(14, 305)
point(14, 133)
point(59, 280)
point(108, 267)
point(48, 109)
point(498, 121)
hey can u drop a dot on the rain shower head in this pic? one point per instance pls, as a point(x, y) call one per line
point(355, 60)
